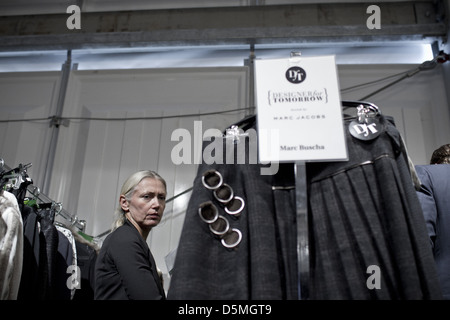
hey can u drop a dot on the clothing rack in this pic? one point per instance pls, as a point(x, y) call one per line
point(39, 197)
point(60, 211)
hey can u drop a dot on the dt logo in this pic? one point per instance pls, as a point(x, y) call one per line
point(295, 75)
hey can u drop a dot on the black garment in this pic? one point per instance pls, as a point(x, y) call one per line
point(263, 266)
point(48, 254)
point(86, 257)
point(125, 268)
point(63, 259)
point(434, 197)
point(29, 282)
point(362, 212)
point(365, 212)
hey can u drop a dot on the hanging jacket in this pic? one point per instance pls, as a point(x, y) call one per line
point(367, 236)
point(11, 246)
point(434, 198)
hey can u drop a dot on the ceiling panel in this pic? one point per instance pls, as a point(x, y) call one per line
point(28, 7)
point(137, 23)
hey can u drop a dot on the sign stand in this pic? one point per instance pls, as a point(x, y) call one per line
point(299, 120)
point(301, 199)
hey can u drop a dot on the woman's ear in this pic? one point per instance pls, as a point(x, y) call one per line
point(123, 203)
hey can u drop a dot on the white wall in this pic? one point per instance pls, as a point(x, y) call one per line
point(418, 104)
point(31, 95)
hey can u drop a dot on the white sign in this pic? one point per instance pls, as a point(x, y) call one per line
point(299, 110)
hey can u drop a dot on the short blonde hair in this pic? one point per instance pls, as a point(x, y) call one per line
point(127, 190)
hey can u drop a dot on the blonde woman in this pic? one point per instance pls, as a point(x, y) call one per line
point(125, 267)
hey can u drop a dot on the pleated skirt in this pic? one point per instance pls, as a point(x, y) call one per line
point(368, 238)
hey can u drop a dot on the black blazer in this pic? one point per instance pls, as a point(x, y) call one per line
point(125, 268)
point(434, 198)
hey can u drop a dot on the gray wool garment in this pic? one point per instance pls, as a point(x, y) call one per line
point(367, 235)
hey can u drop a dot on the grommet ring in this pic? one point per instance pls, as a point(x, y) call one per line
point(220, 226)
point(232, 239)
point(224, 193)
point(208, 212)
point(212, 179)
point(235, 206)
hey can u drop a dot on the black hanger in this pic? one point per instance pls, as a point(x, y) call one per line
point(362, 110)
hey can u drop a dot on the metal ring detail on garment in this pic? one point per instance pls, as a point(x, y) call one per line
point(235, 206)
point(220, 227)
point(208, 212)
point(232, 238)
point(212, 179)
point(224, 193)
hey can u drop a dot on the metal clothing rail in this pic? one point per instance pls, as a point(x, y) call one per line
point(73, 221)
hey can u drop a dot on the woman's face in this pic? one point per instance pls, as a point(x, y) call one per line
point(147, 203)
